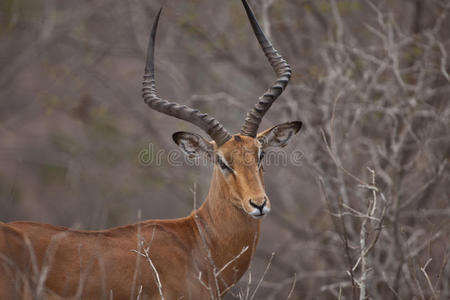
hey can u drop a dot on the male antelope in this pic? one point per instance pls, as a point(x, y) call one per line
point(197, 257)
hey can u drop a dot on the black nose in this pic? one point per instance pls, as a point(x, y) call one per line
point(260, 207)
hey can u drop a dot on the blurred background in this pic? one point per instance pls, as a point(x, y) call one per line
point(371, 84)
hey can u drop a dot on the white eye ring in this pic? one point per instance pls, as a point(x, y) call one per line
point(223, 164)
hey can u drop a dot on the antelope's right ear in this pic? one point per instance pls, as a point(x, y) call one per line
point(193, 145)
point(280, 135)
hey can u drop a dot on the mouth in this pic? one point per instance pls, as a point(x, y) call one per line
point(260, 216)
point(259, 211)
point(255, 213)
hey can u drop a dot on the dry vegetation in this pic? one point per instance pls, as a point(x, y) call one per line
point(367, 214)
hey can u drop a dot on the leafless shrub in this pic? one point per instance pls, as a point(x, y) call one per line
point(371, 83)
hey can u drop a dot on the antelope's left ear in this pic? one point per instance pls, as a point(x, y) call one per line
point(279, 135)
point(193, 145)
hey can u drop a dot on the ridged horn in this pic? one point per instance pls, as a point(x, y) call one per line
point(281, 68)
point(210, 125)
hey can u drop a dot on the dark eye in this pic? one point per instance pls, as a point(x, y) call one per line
point(223, 165)
point(261, 156)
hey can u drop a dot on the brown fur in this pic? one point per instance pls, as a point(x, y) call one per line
point(95, 264)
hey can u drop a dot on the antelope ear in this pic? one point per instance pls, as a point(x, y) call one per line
point(279, 135)
point(193, 145)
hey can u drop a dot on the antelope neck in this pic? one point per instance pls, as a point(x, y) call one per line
point(226, 228)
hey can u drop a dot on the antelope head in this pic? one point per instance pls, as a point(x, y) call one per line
point(237, 157)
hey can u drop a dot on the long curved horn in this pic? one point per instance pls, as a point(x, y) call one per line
point(210, 125)
point(281, 68)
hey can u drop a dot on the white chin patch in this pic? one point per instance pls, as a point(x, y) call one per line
point(258, 214)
